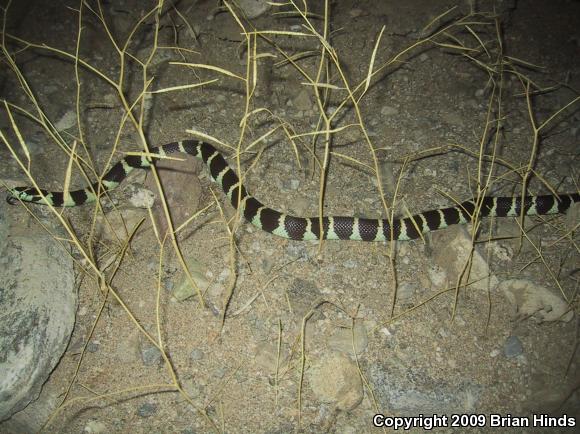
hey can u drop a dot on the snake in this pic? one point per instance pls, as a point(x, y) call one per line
point(303, 228)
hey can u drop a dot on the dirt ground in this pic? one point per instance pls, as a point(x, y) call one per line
point(282, 359)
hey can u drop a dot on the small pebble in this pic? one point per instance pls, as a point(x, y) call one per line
point(350, 263)
point(93, 346)
point(150, 354)
point(406, 291)
point(513, 347)
point(68, 120)
point(221, 372)
point(95, 427)
point(294, 184)
point(389, 111)
point(196, 354)
point(168, 285)
point(147, 409)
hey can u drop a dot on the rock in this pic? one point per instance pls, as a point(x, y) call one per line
point(452, 118)
point(95, 427)
point(531, 300)
point(406, 290)
point(150, 354)
point(513, 347)
point(335, 379)
point(302, 101)
point(184, 289)
point(253, 8)
point(147, 409)
point(453, 253)
point(196, 354)
point(68, 120)
point(38, 304)
point(298, 251)
point(355, 12)
point(342, 339)
point(193, 386)
point(302, 294)
point(118, 224)
point(389, 111)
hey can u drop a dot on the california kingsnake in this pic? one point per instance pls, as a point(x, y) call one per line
point(304, 228)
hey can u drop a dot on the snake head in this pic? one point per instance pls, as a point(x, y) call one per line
point(25, 194)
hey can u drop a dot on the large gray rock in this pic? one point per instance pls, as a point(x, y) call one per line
point(38, 304)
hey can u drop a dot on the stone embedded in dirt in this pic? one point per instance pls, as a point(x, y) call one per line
point(335, 379)
point(302, 100)
point(406, 290)
point(96, 427)
point(513, 347)
point(147, 409)
point(355, 12)
point(531, 300)
point(196, 354)
point(150, 354)
point(183, 288)
point(302, 295)
point(455, 247)
point(388, 110)
point(117, 225)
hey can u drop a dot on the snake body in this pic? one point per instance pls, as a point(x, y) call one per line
point(304, 228)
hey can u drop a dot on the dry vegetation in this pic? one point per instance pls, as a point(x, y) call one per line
point(476, 37)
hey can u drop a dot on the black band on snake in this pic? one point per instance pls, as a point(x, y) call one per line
point(304, 228)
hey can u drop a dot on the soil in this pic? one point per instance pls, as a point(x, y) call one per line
point(425, 350)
